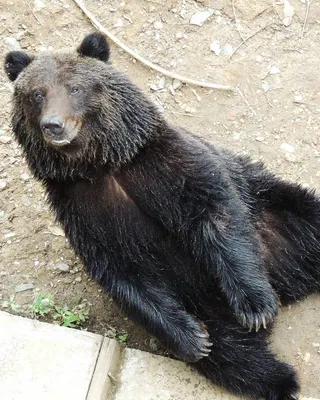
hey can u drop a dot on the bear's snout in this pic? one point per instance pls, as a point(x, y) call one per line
point(52, 126)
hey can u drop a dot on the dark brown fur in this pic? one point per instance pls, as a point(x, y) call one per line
point(194, 243)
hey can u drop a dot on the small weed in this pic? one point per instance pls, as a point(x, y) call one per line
point(43, 304)
point(123, 338)
point(11, 305)
point(71, 318)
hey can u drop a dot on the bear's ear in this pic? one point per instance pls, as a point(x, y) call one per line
point(95, 45)
point(15, 62)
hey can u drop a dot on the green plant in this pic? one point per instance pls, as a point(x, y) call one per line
point(43, 304)
point(123, 337)
point(11, 305)
point(71, 318)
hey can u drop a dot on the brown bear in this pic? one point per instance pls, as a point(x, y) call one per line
point(194, 243)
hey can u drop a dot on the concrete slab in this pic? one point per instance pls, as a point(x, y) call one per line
point(43, 361)
point(145, 376)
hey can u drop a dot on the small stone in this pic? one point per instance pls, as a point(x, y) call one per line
point(62, 267)
point(56, 231)
point(259, 138)
point(25, 177)
point(3, 185)
point(38, 5)
point(274, 70)
point(227, 49)
point(179, 35)
point(306, 358)
point(25, 201)
point(201, 16)
point(119, 23)
point(158, 25)
point(215, 47)
point(23, 287)
point(298, 98)
point(287, 147)
point(111, 332)
point(5, 139)
point(11, 43)
point(176, 84)
point(78, 279)
point(154, 344)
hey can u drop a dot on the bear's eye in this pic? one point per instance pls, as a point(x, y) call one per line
point(38, 95)
point(74, 90)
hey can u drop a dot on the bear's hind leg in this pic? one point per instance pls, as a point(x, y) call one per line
point(241, 362)
point(289, 228)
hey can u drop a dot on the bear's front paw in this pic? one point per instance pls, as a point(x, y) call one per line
point(194, 345)
point(257, 312)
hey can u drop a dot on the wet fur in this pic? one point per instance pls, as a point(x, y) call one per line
point(173, 228)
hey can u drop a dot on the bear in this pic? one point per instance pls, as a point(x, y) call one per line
point(195, 243)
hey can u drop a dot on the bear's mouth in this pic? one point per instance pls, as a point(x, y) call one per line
point(60, 142)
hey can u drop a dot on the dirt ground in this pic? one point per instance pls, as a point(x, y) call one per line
point(274, 116)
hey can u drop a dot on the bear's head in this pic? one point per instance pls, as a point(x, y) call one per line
point(72, 111)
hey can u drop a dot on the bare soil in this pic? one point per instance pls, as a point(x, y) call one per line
point(274, 117)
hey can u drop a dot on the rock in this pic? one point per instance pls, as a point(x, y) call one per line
point(158, 25)
point(215, 47)
point(62, 267)
point(176, 84)
point(23, 287)
point(56, 231)
point(154, 344)
point(25, 177)
point(119, 23)
point(201, 16)
point(227, 49)
point(287, 147)
point(25, 201)
point(11, 43)
point(288, 13)
point(3, 185)
point(5, 139)
point(274, 70)
point(78, 279)
point(38, 5)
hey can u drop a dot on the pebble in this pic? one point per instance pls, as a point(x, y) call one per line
point(11, 43)
point(23, 287)
point(287, 147)
point(201, 16)
point(215, 47)
point(25, 201)
point(3, 185)
point(158, 25)
point(111, 332)
point(56, 231)
point(78, 279)
point(176, 84)
point(274, 70)
point(25, 177)
point(154, 344)
point(38, 5)
point(5, 139)
point(62, 267)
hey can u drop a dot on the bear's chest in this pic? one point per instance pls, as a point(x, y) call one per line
point(102, 209)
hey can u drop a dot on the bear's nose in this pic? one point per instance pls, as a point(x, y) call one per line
point(52, 126)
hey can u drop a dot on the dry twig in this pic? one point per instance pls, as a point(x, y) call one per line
point(308, 4)
point(144, 61)
point(237, 21)
point(28, 5)
point(249, 37)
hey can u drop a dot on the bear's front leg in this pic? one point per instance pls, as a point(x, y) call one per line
point(157, 310)
point(231, 255)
